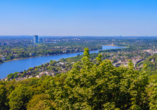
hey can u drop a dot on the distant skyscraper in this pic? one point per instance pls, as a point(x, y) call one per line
point(41, 40)
point(35, 38)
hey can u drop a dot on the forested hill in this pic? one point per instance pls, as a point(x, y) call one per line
point(151, 63)
point(87, 86)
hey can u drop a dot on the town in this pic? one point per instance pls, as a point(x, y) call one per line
point(118, 57)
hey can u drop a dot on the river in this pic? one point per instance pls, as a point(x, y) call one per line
point(23, 64)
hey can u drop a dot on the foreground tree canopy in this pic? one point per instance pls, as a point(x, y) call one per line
point(100, 86)
point(88, 85)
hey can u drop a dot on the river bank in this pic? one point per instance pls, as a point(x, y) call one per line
point(23, 64)
point(43, 56)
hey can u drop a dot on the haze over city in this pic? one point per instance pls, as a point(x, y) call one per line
point(78, 17)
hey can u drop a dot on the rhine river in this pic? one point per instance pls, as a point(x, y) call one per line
point(23, 64)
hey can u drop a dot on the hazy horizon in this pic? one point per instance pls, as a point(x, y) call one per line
point(67, 36)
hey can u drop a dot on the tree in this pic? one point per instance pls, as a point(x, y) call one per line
point(86, 59)
point(114, 60)
point(1, 61)
point(30, 68)
point(100, 86)
point(37, 102)
point(3, 98)
point(19, 98)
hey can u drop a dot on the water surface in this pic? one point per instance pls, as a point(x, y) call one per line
point(23, 64)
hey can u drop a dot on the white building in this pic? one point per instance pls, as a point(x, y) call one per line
point(3, 58)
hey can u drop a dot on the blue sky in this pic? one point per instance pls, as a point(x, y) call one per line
point(78, 17)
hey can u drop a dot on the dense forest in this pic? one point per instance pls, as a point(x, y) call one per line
point(88, 85)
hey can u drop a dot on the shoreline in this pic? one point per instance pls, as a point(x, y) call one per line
point(54, 55)
point(114, 46)
point(110, 45)
point(43, 55)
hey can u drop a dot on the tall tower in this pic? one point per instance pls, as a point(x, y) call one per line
point(35, 38)
point(40, 40)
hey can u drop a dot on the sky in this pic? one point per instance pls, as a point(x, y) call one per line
point(78, 17)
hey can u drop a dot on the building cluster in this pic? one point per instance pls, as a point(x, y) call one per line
point(37, 40)
point(3, 57)
point(123, 60)
point(151, 51)
point(134, 60)
point(14, 42)
point(4, 43)
point(45, 73)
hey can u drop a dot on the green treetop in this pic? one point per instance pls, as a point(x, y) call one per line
point(101, 86)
